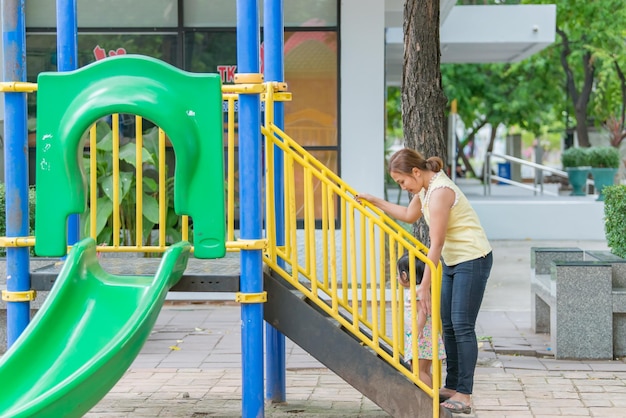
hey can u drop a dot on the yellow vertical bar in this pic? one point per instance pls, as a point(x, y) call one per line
point(309, 227)
point(324, 232)
point(436, 330)
point(162, 189)
point(345, 283)
point(185, 228)
point(363, 256)
point(290, 194)
point(270, 213)
point(116, 179)
point(394, 299)
point(93, 182)
point(139, 180)
point(333, 247)
point(230, 135)
point(353, 265)
point(383, 283)
point(373, 281)
point(413, 299)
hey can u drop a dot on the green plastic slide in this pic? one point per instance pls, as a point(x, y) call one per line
point(85, 336)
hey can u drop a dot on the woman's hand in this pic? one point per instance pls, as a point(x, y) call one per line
point(364, 196)
point(423, 294)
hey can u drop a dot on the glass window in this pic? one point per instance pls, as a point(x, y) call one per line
point(211, 52)
point(107, 13)
point(223, 13)
point(210, 13)
point(311, 73)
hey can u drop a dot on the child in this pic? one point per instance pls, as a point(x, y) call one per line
point(424, 324)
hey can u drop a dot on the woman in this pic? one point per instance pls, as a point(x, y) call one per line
point(459, 241)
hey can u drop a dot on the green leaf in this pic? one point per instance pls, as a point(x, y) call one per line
point(104, 211)
point(128, 153)
point(126, 181)
point(172, 218)
point(106, 142)
point(150, 185)
point(150, 208)
point(151, 140)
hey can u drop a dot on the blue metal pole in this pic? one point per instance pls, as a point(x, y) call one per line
point(250, 213)
point(67, 60)
point(16, 164)
point(274, 71)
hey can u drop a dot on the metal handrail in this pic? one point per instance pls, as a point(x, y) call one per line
point(538, 178)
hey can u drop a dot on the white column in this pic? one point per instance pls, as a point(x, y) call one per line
point(363, 94)
point(363, 103)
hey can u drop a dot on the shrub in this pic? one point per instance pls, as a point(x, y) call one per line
point(575, 157)
point(604, 157)
point(3, 219)
point(615, 218)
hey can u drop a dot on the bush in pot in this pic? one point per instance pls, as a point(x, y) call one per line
point(615, 218)
point(576, 163)
point(604, 163)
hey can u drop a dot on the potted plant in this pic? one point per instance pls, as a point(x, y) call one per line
point(604, 163)
point(615, 218)
point(576, 163)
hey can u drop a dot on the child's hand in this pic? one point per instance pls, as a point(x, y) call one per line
point(423, 294)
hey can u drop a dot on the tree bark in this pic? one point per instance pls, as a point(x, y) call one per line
point(580, 99)
point(423, 99)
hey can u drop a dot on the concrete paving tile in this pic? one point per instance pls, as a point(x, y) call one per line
point(611, 412)
point(555, 403)
point(597, 403)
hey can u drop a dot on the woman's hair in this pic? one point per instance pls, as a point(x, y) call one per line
point(406, 159)
point(403, 267)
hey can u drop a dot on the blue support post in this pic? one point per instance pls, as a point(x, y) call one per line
point(250, 214)
point(274, 71)
point(16, 164)
point(67, 60)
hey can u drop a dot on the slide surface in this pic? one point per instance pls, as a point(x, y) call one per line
point(85, 336)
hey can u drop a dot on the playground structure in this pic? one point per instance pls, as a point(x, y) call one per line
point(351, 279)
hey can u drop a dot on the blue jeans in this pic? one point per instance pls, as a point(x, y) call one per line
point(462, 290)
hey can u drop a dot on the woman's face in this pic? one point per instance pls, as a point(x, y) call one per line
point(410, 182)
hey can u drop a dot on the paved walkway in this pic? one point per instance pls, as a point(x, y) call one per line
point(190, 366)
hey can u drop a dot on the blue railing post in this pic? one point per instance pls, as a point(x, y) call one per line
point(67, 60)
point(274, 71)
point(16, 164)
point(250, 214)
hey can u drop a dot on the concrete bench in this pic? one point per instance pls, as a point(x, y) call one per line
point(580, 300)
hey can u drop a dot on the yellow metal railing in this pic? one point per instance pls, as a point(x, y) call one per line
point(346, 265)
point(344, 262)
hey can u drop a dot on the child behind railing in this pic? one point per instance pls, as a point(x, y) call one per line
point(424, 324)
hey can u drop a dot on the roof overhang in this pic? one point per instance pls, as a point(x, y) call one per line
point(476, 34)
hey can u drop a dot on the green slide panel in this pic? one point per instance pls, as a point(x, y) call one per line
point(85, 336)
point(187, 106)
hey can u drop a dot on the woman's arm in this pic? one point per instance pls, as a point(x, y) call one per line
point(440, 205)
point(408, 214)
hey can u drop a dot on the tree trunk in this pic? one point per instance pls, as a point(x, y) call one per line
point(580, 98)
point(582, 128)
point(423, 99)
